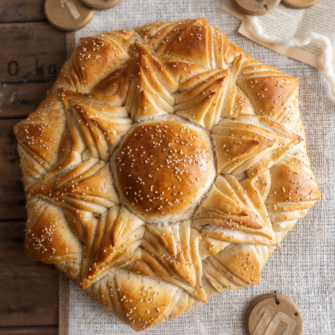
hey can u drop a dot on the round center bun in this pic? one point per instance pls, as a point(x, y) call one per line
point(163, 167)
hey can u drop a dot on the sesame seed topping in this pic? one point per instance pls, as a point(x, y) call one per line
point(162, 171)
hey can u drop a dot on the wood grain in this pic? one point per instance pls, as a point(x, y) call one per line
point(28, 291)
point(29, 331)
point(31, 52)
point(300, 4)
point(98, 4)
point(21, 11)
point(273, 314)
point(256, 8)
point(12, 198)
point(19, 100)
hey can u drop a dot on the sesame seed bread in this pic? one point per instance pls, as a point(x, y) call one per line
point(164, 166)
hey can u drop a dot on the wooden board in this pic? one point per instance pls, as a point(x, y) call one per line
point(21, 11)
point(300, 4)
point(12, 198)
point(29, 65)
point(33, 52)
point(30, 331)
point(21, 98)
point(273, 313)
point(28, 291)
point(256, 8)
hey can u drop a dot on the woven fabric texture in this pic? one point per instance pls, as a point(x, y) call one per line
point(304, 268)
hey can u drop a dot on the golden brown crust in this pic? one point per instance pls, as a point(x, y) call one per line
point(292, 183)
point(151, 225)
point(161, 168)
point(50, 236)
point(42, 134)
point(95, 55)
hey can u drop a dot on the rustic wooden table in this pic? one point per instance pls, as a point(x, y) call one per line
point(32, 53)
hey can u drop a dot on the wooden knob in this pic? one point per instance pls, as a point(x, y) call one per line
point(300, 4)
point(101, 4)
point(255, 7)
point(67, 14)
point(273, 314)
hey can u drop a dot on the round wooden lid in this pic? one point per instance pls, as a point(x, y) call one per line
point(272, 314)
point(101, 4)
point(68, 15)
point(255, 7)
point(300, 4)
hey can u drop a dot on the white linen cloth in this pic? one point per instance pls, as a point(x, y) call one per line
point(304, 268)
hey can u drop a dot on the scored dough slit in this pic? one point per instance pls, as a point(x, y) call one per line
point(157, 42)
point(168, 32)
point(215, 270)
point(180, 306)
point(232, 280)
point(116, 298)
point(31, 162)
point(170, 307)
point(106, 296)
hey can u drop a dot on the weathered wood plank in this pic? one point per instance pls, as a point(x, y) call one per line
point(21, 11)
point(12, 198)
point(20, 99)
point(28, 291)
point(29, 331)
point(31, 52)
point(34, 53)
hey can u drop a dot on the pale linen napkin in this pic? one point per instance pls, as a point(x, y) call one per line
point(304, 268)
